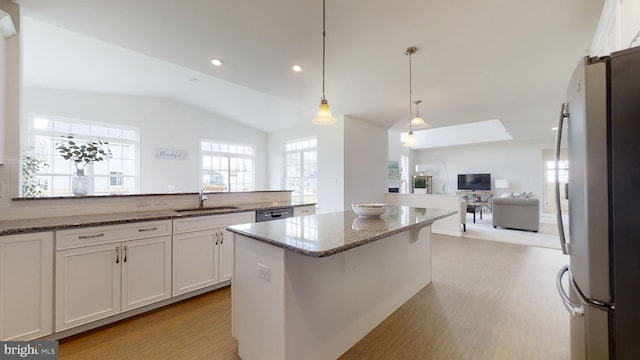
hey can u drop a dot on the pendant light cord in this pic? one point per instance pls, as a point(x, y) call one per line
point(324, 35)
point(410, 91)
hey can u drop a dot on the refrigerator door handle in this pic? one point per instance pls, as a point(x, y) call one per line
point(564, 113)
point(575, 310)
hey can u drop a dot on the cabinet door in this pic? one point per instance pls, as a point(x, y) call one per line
point(26, 286)
point(87, 284)
point(226, 254)
point(146, 271)
point(304, 210)
point(195, 261)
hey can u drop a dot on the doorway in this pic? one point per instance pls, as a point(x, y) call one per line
point(404, 174)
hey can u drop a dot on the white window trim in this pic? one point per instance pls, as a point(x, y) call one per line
point(31, 132)
point(286, 152)
point(226, 142)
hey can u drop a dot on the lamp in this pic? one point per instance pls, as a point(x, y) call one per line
point(502, 184)
point(410, 140)
point(323, 117)
point(418, 122)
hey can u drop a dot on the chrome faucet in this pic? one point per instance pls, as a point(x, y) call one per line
point(203, 197)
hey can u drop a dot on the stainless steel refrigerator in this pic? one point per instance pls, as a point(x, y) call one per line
point(601, 124)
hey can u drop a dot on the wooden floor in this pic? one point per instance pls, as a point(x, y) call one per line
point(488, 300)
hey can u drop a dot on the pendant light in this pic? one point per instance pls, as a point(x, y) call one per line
point(411, 139)
point(418, 122)
point(324, 113)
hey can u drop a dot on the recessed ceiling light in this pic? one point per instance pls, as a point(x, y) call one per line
point(296, 68)
point(216, 62)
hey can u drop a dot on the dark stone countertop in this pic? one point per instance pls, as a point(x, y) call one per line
point(328, 234)
point(21, 226)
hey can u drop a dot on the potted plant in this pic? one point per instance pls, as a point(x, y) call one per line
point(419, 185)
point(82, 153)
point(31, 185)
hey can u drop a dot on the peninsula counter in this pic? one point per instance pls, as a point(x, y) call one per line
point(311, 287)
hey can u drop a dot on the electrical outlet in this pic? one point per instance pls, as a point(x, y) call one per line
point(161, 202)
point(144, 202)
point(263, 271)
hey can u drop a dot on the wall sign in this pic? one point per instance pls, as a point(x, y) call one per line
point(171, 154)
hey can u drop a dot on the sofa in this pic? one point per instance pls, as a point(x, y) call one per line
point(516, 213)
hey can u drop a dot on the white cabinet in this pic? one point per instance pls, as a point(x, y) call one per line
point(226, 253)
point(87, 285)
point(304, 210)
point(26, 286)
point(203, 250)
point(106, 270)
point(618, 28)
point(195, 261)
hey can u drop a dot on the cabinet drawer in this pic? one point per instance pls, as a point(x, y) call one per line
point(198, 223)
point(304, 210)
point(67, 239)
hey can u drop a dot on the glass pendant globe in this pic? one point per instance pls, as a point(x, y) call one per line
point(324, 117)
point(410, 140)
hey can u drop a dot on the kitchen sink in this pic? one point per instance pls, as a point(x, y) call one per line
point(208, 209)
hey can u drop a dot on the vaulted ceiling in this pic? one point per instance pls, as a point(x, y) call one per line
point(476, 60)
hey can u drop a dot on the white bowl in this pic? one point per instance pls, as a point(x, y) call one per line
point(369, 210)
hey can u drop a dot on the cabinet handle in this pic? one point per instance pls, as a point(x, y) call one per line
point(117, 254)
point(217, 237)
point(90, 236)
point(124, 259)
point(148, 229)
point(221, 236)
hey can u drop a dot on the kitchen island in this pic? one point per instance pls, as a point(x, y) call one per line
point(311, 287)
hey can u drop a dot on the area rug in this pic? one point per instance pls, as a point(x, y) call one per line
point(547, 235)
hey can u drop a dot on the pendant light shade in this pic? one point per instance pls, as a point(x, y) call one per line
point(324, 116)
point(418, 122)
point(410, 140)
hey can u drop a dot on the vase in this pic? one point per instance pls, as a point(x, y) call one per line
point(79, 186)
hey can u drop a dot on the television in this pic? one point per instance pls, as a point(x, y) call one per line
point(474, 182)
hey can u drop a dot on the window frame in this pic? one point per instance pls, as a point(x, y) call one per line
point(53, 136)
point(297, 146)
point(229, 156)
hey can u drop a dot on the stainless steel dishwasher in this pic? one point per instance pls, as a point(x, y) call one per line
point(275, 214)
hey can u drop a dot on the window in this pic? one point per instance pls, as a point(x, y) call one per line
point(563, 171)
point(226, 166)
point(116, 175)
point(301, 167)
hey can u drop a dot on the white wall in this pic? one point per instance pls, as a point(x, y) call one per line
point(520, 162)
point(365, 162)
point(330, 160)
point(163, 123)
point(10, 84)
point(3, 94)
point(352, 161)
point(396, 150)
